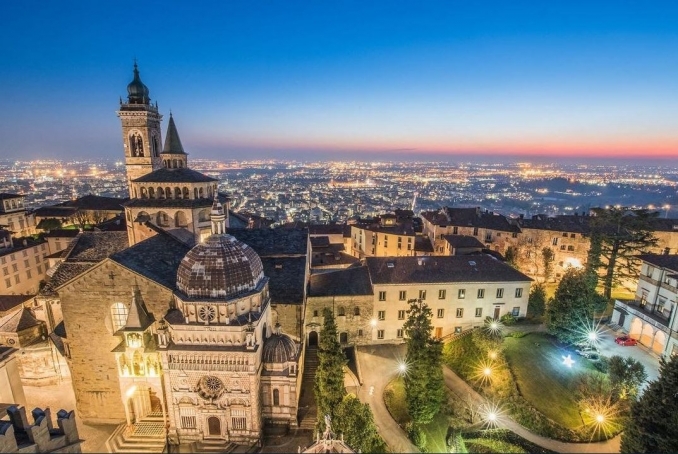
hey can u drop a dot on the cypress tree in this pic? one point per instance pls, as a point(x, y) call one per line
point(329, 377)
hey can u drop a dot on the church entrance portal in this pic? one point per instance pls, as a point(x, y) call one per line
point(214, 426)
point(312, 339)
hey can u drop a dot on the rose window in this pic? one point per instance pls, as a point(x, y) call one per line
point(210, 387)
point(207, 313)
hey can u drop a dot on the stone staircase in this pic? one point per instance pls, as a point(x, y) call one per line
point(214, 446)
point(145, 436)
point(308, 412)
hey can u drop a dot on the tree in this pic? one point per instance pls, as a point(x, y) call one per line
point(511, 256)
point(536, 303)
point(626, 376)
point(355, 421)
point(329, 377)
point(81, 218)
point(424, 385)
point(653, 424)
point(571, 307)
point(618, 235)
point(49, 224)
point(547, 257)
point(487, 338)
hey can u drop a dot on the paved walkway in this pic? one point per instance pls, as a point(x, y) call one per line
point(463, 389)
point(379, 365)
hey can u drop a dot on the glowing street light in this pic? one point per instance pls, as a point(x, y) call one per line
point(490, 413)
point(568, 361)
point(593, 336)
point(487, 371)
point(600, 418)
point(493, 355)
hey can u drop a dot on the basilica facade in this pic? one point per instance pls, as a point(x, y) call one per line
point(176, 325)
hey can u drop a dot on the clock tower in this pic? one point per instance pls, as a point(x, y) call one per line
point(140, 131)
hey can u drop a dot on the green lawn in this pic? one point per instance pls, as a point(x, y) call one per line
point(436, 430)
point(542, 378)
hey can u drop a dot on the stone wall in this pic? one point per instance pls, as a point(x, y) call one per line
point(354, 323)
point(86, 303)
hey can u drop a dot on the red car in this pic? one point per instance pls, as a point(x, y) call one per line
point(625, 340)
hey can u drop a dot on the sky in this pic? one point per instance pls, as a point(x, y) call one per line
point(336, 80)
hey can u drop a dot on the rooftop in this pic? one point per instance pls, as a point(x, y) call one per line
point(351, 281)
point(273, 242)
point(441, 269)
point(661, 260)
point(179, 175)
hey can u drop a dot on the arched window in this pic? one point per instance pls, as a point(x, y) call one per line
point(195, 193)
point(163, 219)
point(185, 192)
point(356, 310)
point(201, 193)
point(174, 163)
point(181, 164)
point(118, 315)
point(168, 192)
point(204, 216)
point(340, 311)
point(144, 194)
point(276, 397)
point(177, 192)
point(343, 338)
point(151, 192)
point(180, 219)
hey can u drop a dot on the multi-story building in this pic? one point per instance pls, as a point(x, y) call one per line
point(651, 316)
point(370, 303)
point(13, 215)
point(23, 266)
point(388, 235)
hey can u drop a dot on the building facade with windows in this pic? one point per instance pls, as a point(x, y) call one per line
point(14, 217)
point(23, 265)
point(651, 316)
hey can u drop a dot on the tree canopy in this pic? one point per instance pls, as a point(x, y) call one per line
point(571, 308)
point(626, 376)
point(653, 425)
point(424, 385)
point(355, 421)
point(618, 235)
point(329, 377)
point(536, 303)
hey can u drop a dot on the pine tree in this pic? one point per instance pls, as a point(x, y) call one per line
point(547, 257)
point(329, 377)
point(653, 425)
point(424, 385)
point(571, 307)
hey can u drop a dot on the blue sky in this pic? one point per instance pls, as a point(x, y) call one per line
point(333, 80)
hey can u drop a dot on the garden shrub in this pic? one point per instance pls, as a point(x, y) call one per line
point(517, 334)
point(417, 435)
point(508, 319)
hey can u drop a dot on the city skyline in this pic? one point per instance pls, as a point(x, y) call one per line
point(380, 81)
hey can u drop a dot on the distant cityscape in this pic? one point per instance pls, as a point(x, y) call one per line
point(325, 192)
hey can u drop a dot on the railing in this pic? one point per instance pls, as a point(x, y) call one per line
point(654, 319)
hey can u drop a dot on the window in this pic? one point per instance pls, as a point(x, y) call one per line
point(488, 236)
point(441, 313)
point(481, 293)
point(3, 260)
point(315, 313)
point(381, 315)
point(39, 269)
point(15, 268)
point(118, 315)
point(460, 312)
point(8, 283)
point(360, 333)
point(188, 420)
point(500, 293)
point(401, 315)
point(341, 312)
point(461, 294)
point(514, 235)
point(380, 334)
point(516, 311)
point(519, 293)
point(555, 242)
point(475, 231)
point(402, 295)
point(399, 334)
point(382, 296)
point(356, 310)
point(441, 294)
point(343, 338)
point(26, 264)
point(5, 271)
point(455, 230)
point(422, 294)
point(238, 419)
point(25, 253)
point(562, 247)
point(649, 271)
point(570, 248)
point(572, 235)
point(16, 279)
point(479, 311)
point(565, 234)
point(12, 257)
point(276, 397)
point(28, 274)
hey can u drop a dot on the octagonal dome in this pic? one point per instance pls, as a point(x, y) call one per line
point(279, 348)
point(220, 268)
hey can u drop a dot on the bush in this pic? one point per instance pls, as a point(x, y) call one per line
point(517, 334)
point(508, 319)
point(603, 364)
point(417, 435)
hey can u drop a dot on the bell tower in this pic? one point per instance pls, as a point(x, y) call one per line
point(140, 131)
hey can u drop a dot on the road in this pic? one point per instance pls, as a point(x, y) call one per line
point(378, 367)
point(608, 348)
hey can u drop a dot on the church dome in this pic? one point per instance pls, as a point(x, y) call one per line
point(279, 348)
point(137, 92)
point(222, 267)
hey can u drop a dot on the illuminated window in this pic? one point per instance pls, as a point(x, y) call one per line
point(118, 315)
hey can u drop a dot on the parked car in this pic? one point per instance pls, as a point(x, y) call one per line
point(626, 340)
point(587, 351)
